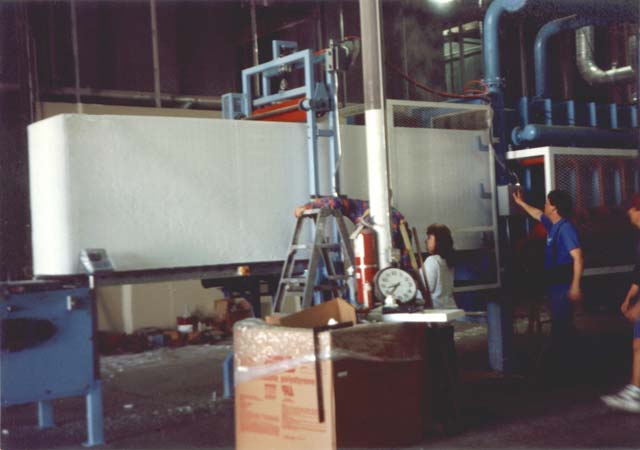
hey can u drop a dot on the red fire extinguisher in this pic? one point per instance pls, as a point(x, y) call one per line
point(366, 265)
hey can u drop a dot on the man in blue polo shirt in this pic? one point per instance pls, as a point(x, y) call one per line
point(628, 399)
point(563, 261)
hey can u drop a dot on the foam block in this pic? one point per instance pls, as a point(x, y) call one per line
point(163, 192)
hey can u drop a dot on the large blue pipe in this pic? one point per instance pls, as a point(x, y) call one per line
point(540, 48)
point(492, 74)
point(490, 41)
point(535, 134)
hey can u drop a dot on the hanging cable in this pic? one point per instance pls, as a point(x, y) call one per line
point(474, 94)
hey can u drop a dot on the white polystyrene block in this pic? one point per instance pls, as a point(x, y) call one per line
point(164, 192)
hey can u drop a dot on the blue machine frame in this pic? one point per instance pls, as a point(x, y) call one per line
point(318, 96)
point(64, 365)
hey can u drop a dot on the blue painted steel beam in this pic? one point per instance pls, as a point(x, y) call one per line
point(571, 113)
point(523, 108)
point(535, 134)
point(45, 414)
point(276, 46)
point(593, 114)
point(548, 112)
point(613, 115)
point(95, 426)
point(499, 336)
point(274, 65)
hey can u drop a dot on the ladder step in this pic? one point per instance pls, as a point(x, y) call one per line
point(325, 133)
point(294, 280)
point(331, 246)
point(304, 283)
point(327, 287)
point(338, 277)
point(295, 288)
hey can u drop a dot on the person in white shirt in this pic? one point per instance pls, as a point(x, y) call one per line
point(438, 267)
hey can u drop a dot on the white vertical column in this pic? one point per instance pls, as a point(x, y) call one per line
point(374, 100)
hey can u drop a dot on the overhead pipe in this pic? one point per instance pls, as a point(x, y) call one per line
point(588, 68)
point(493, 75)
point(490, 41)
point(541, 48)
point(535, 134)
point(541, 57)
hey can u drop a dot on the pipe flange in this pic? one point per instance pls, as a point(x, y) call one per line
point(492, 83)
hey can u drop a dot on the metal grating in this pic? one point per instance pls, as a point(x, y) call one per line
point(440, 174)
point(439, 117)
point(596, 181)
point(599, 185)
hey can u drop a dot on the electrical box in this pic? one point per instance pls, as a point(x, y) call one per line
point(95, 260)
point(506, 204)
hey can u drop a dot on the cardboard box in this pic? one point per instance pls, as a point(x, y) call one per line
point(301, 388)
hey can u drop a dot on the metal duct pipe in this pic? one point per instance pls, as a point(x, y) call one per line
point(588, 68)
point(581, 136)
point(541, 51)
point(376, 135)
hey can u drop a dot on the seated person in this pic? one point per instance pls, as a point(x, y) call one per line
point(438, 267)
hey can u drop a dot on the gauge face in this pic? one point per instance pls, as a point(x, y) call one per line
point(396, 283)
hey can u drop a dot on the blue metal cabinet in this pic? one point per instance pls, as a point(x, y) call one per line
point(48, 352)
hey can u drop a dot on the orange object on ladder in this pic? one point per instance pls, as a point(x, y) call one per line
point(285, 111)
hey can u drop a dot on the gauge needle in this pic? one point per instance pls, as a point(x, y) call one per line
point(395, 286)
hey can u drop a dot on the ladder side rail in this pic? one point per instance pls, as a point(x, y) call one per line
point(288, 266)
point(291, 256)
point(345, 241)
point(307, 298)
point(312, 269)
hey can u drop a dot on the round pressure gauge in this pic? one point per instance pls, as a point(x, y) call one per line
point(396, 283)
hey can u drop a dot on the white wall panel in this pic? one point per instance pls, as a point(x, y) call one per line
point(451, 168)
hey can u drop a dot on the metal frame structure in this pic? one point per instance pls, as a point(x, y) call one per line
point(492, 176)
point(317, 97)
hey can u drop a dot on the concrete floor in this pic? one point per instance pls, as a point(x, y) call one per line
point(172, 399)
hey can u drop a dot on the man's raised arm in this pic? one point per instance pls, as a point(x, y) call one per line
point(531, 210)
